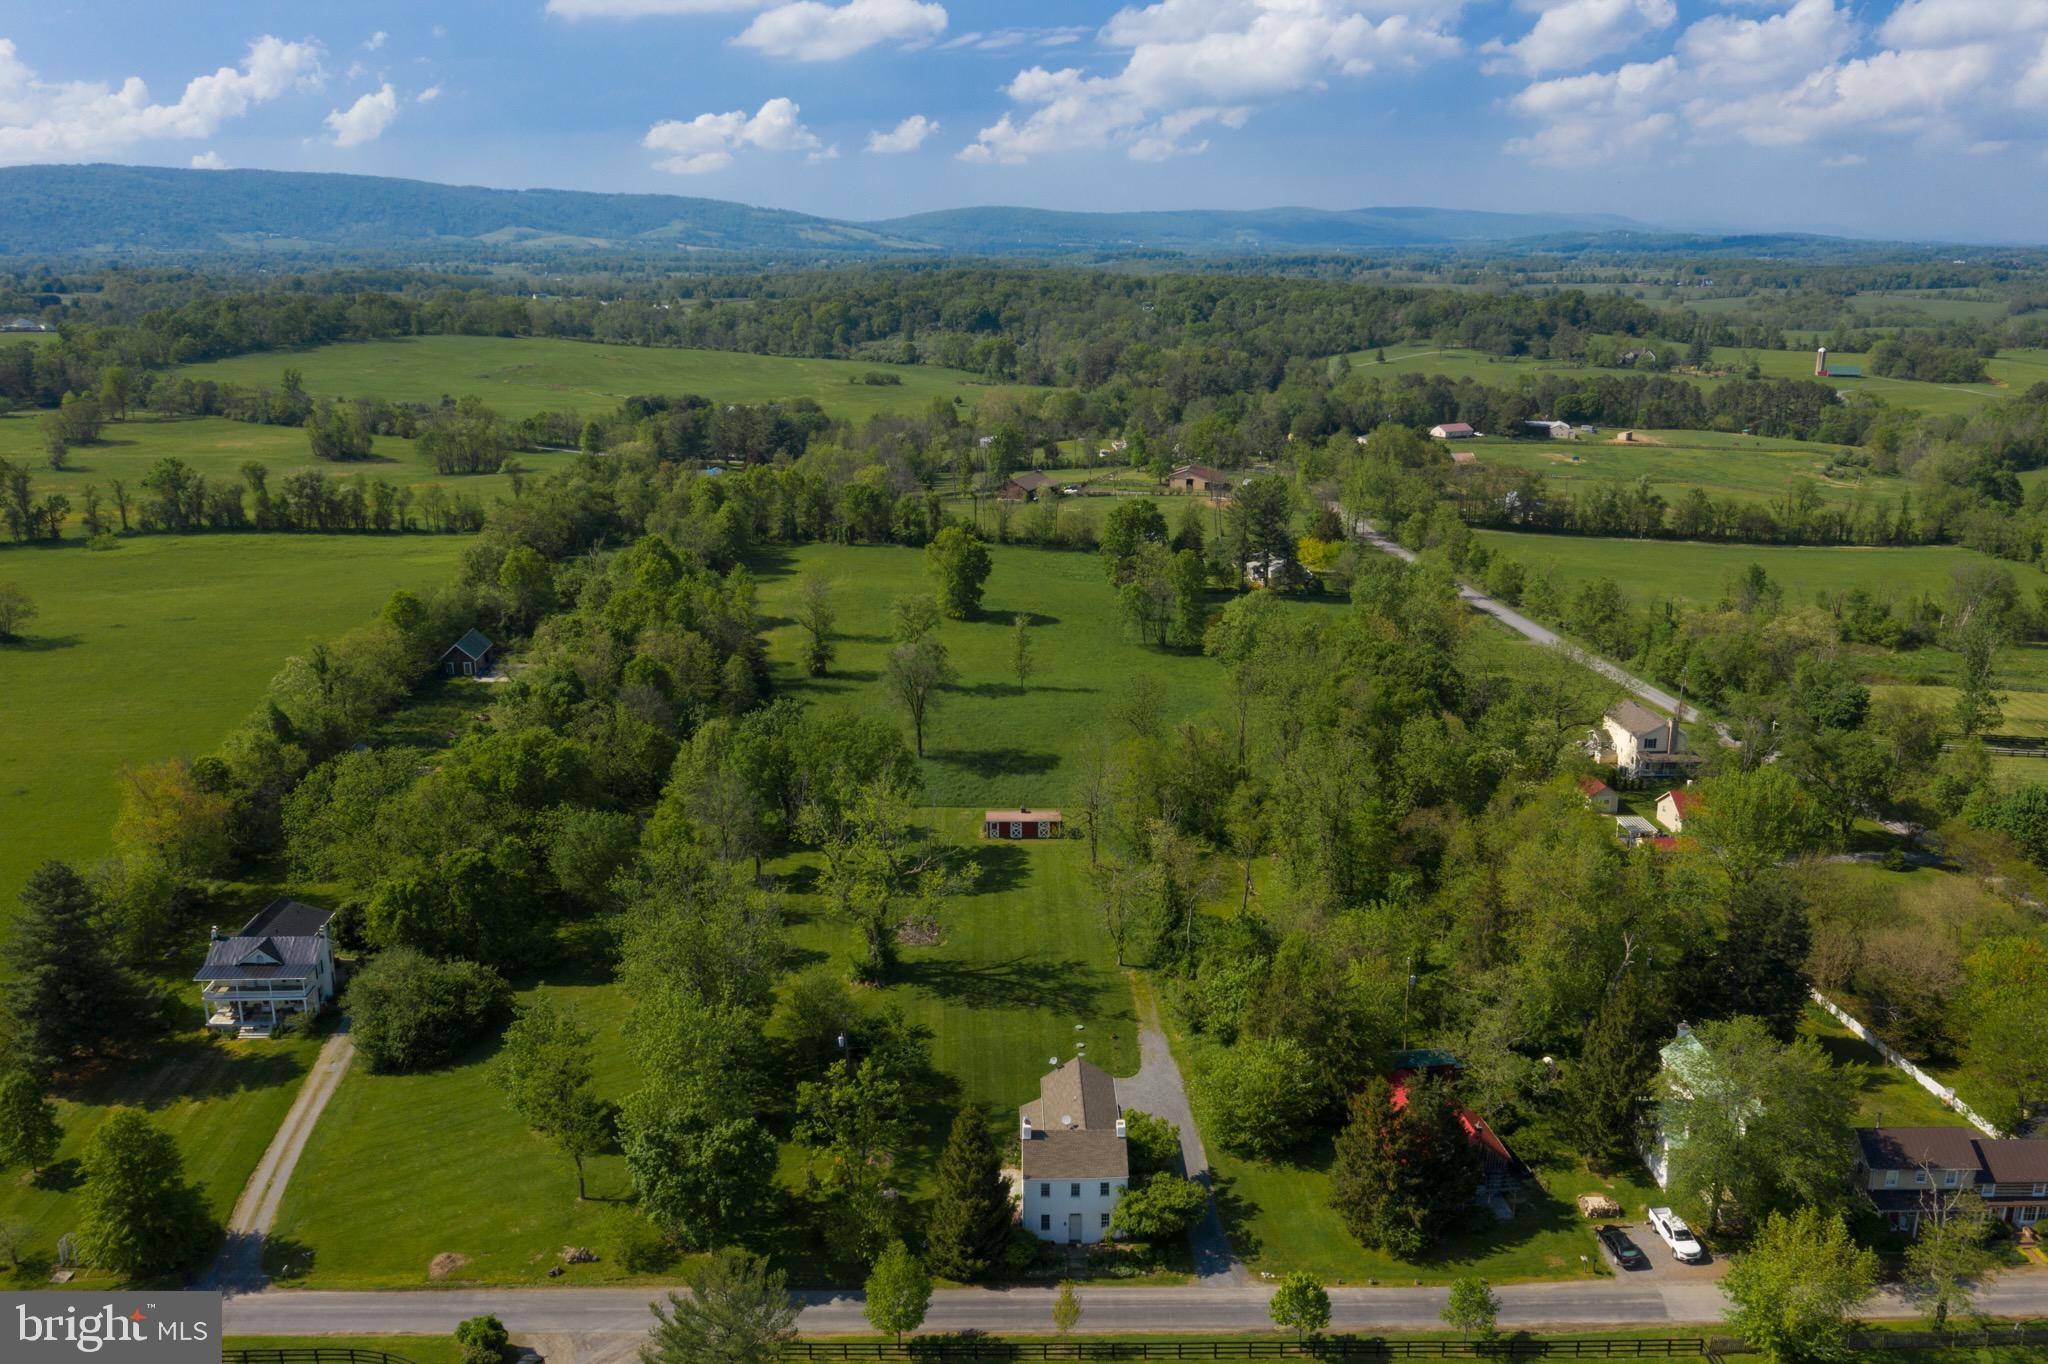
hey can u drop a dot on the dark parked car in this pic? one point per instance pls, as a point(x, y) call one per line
point(1625, 1252)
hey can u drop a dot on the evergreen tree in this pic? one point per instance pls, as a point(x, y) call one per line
point(29, 1131)
point(1608, 1087)
point(1402, 1173)
point(971, 1211)
point(67, 995)
point(137, 1213)
point(1762, 966)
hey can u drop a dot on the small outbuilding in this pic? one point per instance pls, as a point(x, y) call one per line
point(1464, 457)
point(1675, 807)
point(1599, 795)
point(1634, 829)
point(1028, 487)
point(1196, 478)
point(1452, 430)
point(1023, 822)
point(469, 656)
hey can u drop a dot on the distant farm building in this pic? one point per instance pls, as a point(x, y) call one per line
point(1196, 478)
point(1464, 457)
point(1026, 487)
point(1823, 370)
point(1024, 822)
point(469, 656)
point(1452, 430)
point(1636, 357)
point(23, 324)
point(1551, 429)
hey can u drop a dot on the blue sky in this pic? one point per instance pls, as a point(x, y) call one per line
point(1877, 117)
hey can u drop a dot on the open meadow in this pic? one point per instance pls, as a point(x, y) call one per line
point(521, 376)
point(1724, 466)
point(2011, 373)
point(218, 448)
point(155, 649)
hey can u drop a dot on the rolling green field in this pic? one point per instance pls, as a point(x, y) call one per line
point(1657, 570)
point(1725, 466)
point(218, 448)
point(991, 742)
point(2011, 373)
point(155, 649)
point(522, 376)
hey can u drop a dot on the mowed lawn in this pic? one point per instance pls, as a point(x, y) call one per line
point(520, 376)
point(404, 1168)
point(990, 742)
point(218, 448)
point(1745, 468)
point(156, 649)
point(220, 1100)
point(1658, 570)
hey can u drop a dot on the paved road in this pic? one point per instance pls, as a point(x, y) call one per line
point(239, 1267)
point(1529, 629)
point(619, 1314)
point(1157, 1089)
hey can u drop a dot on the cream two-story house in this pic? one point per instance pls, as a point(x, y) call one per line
point(1073, 1160)
point(1645, 744)
point(1906, 1171)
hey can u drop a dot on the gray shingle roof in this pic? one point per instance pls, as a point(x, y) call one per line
point(1908, 1148)
point(1076, 1096)
point(1075, 1155)
point(1637, 718)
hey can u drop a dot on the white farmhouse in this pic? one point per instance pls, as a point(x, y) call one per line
point(279, 965)
point(1072, 1156)
point(1646, 744)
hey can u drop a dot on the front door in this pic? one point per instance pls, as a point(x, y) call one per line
point(1073, 1229)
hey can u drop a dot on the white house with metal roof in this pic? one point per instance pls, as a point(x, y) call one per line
point(281, 964)
point(1073, 1160)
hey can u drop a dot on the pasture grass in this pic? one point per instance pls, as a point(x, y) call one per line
point(521, 376)
point(991, 741)
point(220, 1101)
point(156, 649)
point(218, 448)
point(2011, 373)
point(1682, 570)
point(1725, 466)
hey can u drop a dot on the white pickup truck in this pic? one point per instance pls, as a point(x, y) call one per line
point(1676, 1234)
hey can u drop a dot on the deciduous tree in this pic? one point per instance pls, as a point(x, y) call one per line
point(958, 564)
point(1795, 1291)
point(738, 1311)
point(137, 1214)
point(544, 1070)
point(899, 1292)
point(1301, 1305)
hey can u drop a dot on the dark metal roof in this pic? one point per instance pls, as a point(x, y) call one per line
point(281, 942)
point(472, 646)
point(2017, 1161)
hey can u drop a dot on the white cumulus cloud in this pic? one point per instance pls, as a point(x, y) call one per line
point(59, 120)
point(809, 31)
point(209, 161)
point(906, 136)
point(1570, 35)
point(1190, 64)
point(376, 40)
point(1955, 74)
point(428, 95)
point(365, 120)
point(709, 142)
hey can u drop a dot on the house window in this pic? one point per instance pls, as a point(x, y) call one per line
point(1650, 744)
point(1948, 1178)
point(1919, 1176)
point(1988, 1190)
point(1891, 1179)
point(1045, 828)
point(1105, 1220)
point(1045, 1221)
point(2041, 1191)
point(1016, 829)
point(1105, 1189)
point(1074, 1190)
point(1045, 1191)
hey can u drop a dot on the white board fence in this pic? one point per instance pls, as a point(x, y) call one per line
point(1921, 1077)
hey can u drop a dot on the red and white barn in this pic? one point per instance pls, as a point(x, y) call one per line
point(1024, 822)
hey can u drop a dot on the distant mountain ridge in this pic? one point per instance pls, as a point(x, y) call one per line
point(166, 210)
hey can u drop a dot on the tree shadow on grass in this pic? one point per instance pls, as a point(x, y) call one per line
point(39, 644)
point(61, 1176)
point(196, 1068)
point(842, 679)
point(1236, 1213)
point(286, 1259)
point(1061, 984)
point(1004, 867)
point(1008, 761)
